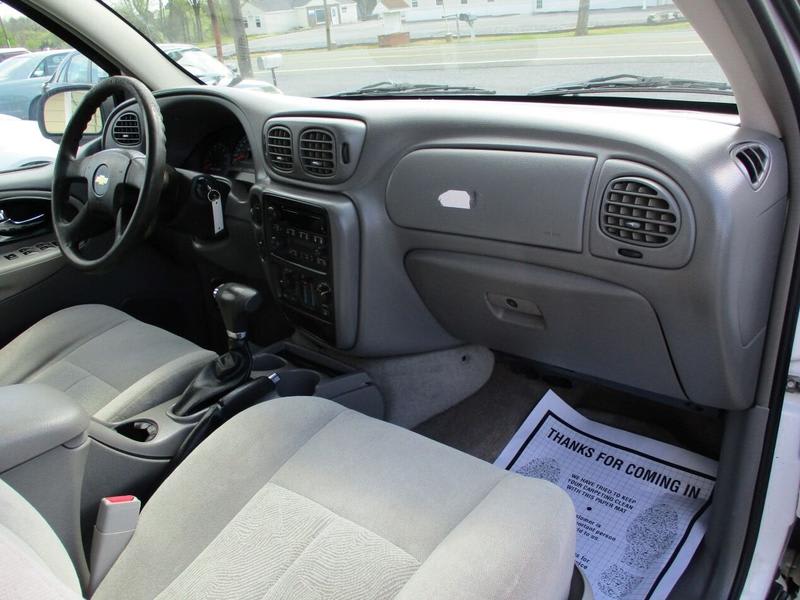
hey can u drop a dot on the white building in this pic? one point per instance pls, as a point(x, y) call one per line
point(429, 10)
point(391, 13)
point(280, 16)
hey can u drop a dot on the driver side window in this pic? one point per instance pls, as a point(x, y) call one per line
point(78, 70)
point(47, 62)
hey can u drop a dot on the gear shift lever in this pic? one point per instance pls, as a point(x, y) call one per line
point(232, 369)
point(236, 302)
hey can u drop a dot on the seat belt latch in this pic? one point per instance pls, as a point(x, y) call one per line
point(117, 517)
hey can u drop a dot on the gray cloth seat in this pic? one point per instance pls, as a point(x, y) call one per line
point(302, 498)
point(114, 365)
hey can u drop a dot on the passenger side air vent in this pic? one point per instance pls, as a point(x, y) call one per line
point(126, 130)
point(279, 148)
point(639, 211)
point(318, 152)
point(753, 160)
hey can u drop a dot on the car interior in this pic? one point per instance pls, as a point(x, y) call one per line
point(299, 330)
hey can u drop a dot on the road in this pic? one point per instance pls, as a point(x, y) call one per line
point(510, 67)
point(367, 32)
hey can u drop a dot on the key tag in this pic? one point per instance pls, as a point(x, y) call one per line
point(215, 199)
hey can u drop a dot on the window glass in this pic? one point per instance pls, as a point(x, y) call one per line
point(642, 49)
point(78, 70)
point(23, 79)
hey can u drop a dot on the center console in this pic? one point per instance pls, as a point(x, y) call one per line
point(300, 263)
point(309, 249)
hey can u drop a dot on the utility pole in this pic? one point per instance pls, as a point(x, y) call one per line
point(212, 12)
point(582, 26)
point(240, 40)
point(327, 24)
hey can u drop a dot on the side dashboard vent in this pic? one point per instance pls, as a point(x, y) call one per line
point(279, 148)
point(126, 130)
point(318, 152)
point(753, 161)
point(639, 211)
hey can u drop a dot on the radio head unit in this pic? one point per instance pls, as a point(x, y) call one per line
point(299, 263)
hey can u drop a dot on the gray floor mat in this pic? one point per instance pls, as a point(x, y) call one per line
point(482, 424)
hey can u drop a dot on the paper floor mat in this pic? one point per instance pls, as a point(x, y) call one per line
point(641, 504)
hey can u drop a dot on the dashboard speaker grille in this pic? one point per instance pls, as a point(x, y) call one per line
point(753, 160)
point(279, 148)
point(639, 211)
point(126, 131)
point(318, 152)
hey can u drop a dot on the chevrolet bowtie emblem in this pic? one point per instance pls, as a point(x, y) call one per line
point(100, 180)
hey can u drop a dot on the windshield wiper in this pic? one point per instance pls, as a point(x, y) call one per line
point(639, 83)
point(389, 88)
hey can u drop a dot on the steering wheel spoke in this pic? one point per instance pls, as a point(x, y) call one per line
point(76, 169)
point(78, 228)
point(137, 171)
point(120, 225)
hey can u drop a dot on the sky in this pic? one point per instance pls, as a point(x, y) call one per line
point(7, 12)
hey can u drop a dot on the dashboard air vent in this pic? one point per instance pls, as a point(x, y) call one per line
point(639, 211)
point(318, 152)
point(753, 160)
point(279, 148)
point(126, 130)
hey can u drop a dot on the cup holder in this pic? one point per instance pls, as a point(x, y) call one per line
point(268, 362)
point(297, 382)
point(138, 431)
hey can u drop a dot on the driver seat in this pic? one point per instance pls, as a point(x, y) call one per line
point(112, 364)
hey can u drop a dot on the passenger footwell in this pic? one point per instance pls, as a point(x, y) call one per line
point(641, 504)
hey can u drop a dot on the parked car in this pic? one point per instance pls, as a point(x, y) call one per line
point(76, 68)
point(21, 80)
point(29, 148)
point(209, 70)
point(6, 53)
point(669, 16)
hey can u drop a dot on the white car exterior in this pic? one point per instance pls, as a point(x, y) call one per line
point(22, 144)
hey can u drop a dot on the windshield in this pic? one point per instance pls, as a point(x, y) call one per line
point(352, 48)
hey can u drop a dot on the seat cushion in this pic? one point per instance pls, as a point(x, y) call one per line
point(114, 365)
point(33, 563)
point(302, 498)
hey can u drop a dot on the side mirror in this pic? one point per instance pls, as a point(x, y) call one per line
point(57, 107)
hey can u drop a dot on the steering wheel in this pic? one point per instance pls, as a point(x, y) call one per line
point(112, 176)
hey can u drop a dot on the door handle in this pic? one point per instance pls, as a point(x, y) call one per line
point(12, 227)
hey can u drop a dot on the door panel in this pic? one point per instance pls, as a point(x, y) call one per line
point(38, 281)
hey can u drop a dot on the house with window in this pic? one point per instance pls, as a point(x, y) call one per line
point(429, 10)
point(280, 16)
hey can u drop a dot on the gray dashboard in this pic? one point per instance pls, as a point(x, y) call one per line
point(630, 245)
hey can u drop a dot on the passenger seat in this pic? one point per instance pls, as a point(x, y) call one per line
point(302, 498)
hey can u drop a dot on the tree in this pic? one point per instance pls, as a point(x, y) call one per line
point(240, 40)
point(198, 21)
point(212, 13)
point(582, 26)
point(176, 28)
point(138, 13)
